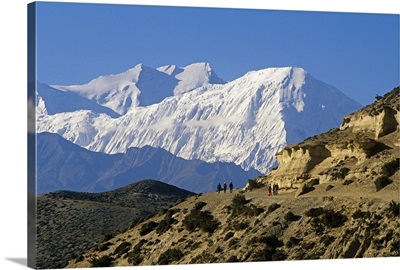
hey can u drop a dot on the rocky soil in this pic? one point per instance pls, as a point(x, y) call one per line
point(70, 222)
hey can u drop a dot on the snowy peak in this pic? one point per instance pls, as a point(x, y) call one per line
point(192, 76)
point(246, 121)
point(143, 85)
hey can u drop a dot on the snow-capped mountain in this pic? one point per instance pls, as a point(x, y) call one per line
point(245, 121)
point(143, 86)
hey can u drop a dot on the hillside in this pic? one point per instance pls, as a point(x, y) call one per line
point(339, 198)
point(70, 222)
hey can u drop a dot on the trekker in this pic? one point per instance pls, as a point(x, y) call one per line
point(269, 190)
point(218, 188)
point(276, 189)
point(224, 187)
point(231, 186)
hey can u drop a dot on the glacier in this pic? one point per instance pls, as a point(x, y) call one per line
point(193, 114)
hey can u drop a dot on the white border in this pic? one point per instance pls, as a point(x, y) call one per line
point(13, 124)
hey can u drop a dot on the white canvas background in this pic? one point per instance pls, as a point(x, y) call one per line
point(13, 60)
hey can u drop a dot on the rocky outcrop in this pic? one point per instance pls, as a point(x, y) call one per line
point(382, 123)
point(361, 135)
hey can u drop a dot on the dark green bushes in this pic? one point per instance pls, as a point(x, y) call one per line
point(122, 248)
point(148, 227)
point(390, 168)
point(239, 199)
point(200, 219)
point(393, 209)
point(341, 174)
point(228, 236)
point(167, 222)
point(293, 241)
point(169, 256)
point(239, 207)
point(381, 182)
point(103, 261)
point(321, 218)
point(199, 205)
point(273, 207)
point(289, 217)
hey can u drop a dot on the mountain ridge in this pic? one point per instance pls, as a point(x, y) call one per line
point(217, 122)
point(63, 165)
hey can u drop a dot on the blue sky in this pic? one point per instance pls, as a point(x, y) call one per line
point(357, 53)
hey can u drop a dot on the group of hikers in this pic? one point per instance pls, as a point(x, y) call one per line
point(219, 188)
point(273, 189)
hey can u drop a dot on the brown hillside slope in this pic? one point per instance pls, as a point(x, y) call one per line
point(339, 198)
point(70, 222)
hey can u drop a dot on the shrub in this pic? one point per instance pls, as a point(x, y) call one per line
point(360, 214)
point(204, 257)
point(233, 242)
point(233, 258)
point(279, 255)
point(200, 219)
point(381, 182)
point(169, 256)
point(104, 247)
point(148, 227)
point(333, 219)
point(122, 248)
point(241, 225)
point(273, 207)
point(229, 235)
point(329, 187)
point(134, 258)
point(293, 241)
point(390, 168)
point(239, 207)
point(166, 223)
point(347, 182)
point(289, 217)
point(394, 209)
point(239, 199)
point(200, 205)
point(341, 174)
point(327, 240)
point(103, 261)
point(314, 212)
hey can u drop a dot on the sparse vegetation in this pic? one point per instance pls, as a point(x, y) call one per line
point(239, 207)
point(273, 207)
point(229, 236)
point(347, 182)
point(204, 257)
point(103, 261)
point(199, 205)
point(122, 248)
point(169, 256)
point(167, 222)
point(393, 209)
point(341, 174)
point(148, 227)
point(329, 187)
point(200, 219)
point(360, 214)
point(381, 182)
point(390, 168)
point(293, 241)
point(290, 217)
